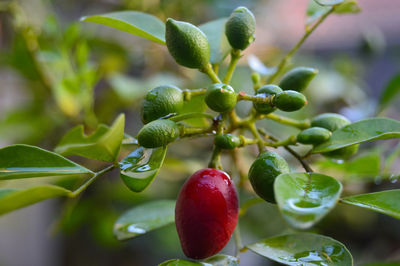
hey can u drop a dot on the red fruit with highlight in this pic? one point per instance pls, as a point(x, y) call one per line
point(206, 213)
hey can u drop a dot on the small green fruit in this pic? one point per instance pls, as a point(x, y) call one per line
point(158, 133)
point(290, 101)
point(343, 153)
point(314, 135)
point(298, 78)
point(263, 172)
point(161, 101)
point(227, 141)
point(265, 91)
point(240, 28)
point(330, 121)
point(187, 44)
point(220, 97)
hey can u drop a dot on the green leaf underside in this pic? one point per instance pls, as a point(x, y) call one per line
point(303, 249)
point(103, 144)
point(390, 92)
point(386, 202)
point(305, 198)
point(23, 161)
point(136, 23)
point(144, 218)
point(217, 260)
point(12, 199)
point(219, 45)
point(140, 167)
point(361, 131)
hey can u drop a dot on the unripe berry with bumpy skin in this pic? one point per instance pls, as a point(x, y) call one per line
point(187, 44)
point(314, 135)
point(220, 97)
point(240, 28)
point(263, 172)
point(206, 213)
point(227, 141)
point(332, 122)
point(290, 101)
point(161, 101)
point(158, 133)
point(298, 78)
point(265, 91)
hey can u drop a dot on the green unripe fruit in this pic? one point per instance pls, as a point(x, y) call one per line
point(343, 153)
point(298, 78)
point(158, 133)
point(265, 91)
point(314, 135)
point(330, 121)
point(240, 28)
point(187, 44)
point(263, 172)
point(220, 97)
point(227, 141)
point(161, 101)
point(290, 101)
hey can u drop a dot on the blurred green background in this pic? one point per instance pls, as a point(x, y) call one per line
point(57, 72)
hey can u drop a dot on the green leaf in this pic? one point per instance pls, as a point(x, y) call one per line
point(144, 218)
point(22, 161)
point(390, 92)
point(222, 260)
point(314, 12)
point(139, 168)
point(103, 144)
point(12, 199)
point(217, 260)
point(304, 198)
point(303, 249)
point(219, 45)
point(361, 131)
point(386, 202)
point(348, 7)
point(181, 262)
point(133, 22)
point(328, 2)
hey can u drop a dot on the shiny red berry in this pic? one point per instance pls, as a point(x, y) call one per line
point(206, 213)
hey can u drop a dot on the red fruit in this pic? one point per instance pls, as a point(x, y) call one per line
point(206, 213)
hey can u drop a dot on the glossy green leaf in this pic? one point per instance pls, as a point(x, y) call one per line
point(181, 262)
point(222, 260)
point(390, 92)
point(361, 131)
point(103, 144)
point(219, 45)
point(303, 249)
point(304, 198)
point(144, 218)
point(314, 11)
point(328, 2)
point(133, 22)
point(217, 260)
point(12, 199)
point(22, 161)
point(386, 202)
point(139, 168)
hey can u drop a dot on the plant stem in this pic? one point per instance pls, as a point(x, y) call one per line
point(188, 94)
point(260, 142)
point(301, 124)
point(215, 161)
point(249, 203)
point(91, 180)
point(235, 56)
point(190, 131)
point(298, 157)
point(308, 32)
point(242, 96)
point(289, 141)
point(208, 70)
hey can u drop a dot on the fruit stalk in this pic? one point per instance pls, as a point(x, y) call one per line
point(235, 56)
point(300, 124)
